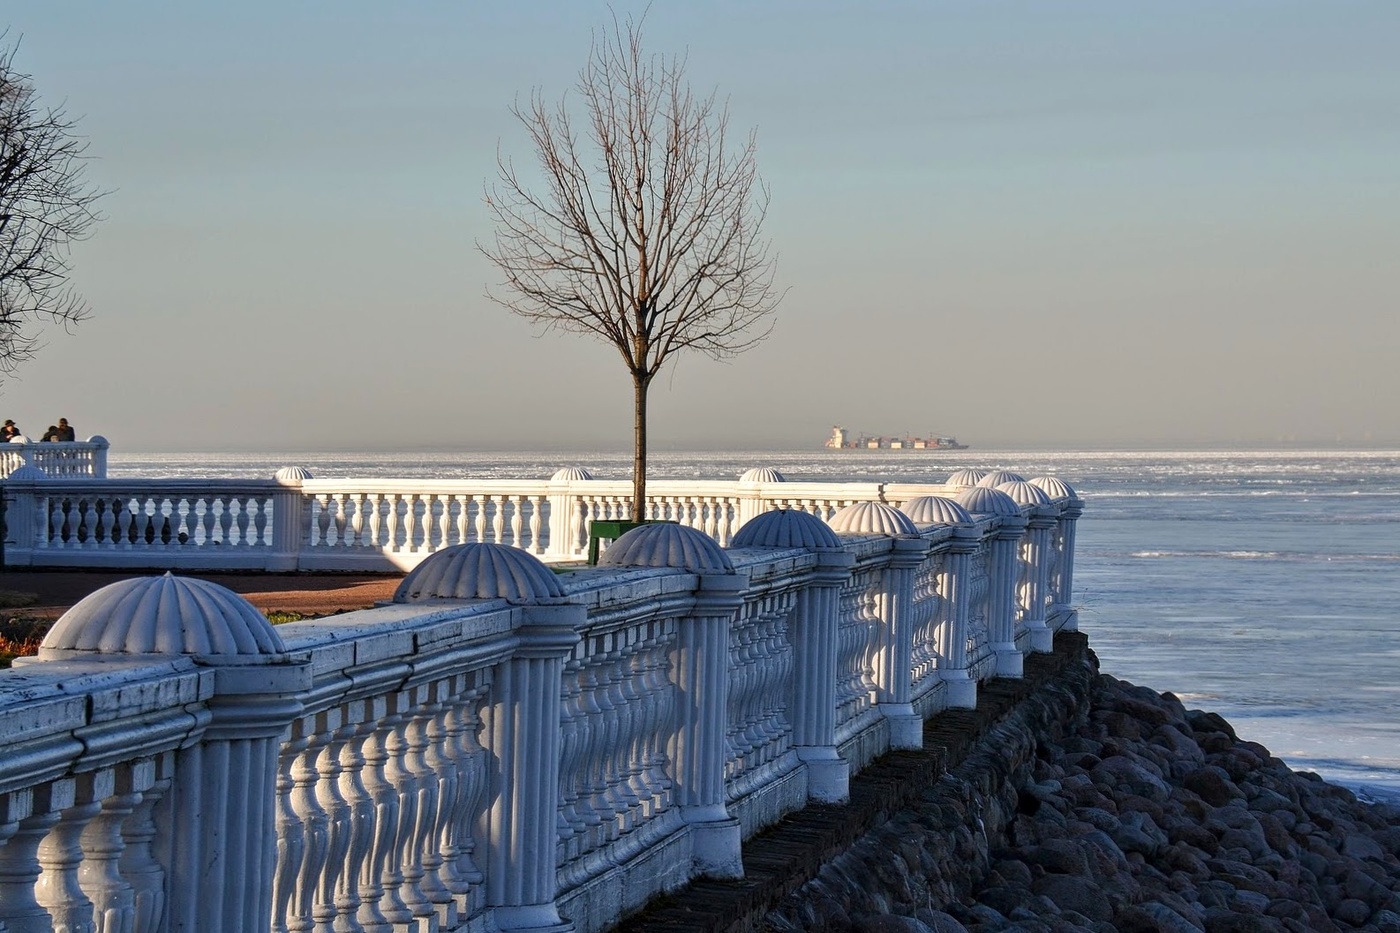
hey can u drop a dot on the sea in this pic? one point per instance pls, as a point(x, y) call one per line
point(1262, 585)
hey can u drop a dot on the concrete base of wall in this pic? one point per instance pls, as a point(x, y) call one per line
point(782, 859)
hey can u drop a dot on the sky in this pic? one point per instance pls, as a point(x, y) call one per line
point(1031, 225)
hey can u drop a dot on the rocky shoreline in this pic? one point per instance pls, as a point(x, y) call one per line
point(1103, 806)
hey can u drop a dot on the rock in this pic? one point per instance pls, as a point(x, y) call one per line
point(888, 923)
point(1153, 917)
point(1060, 856)
point(1213, 785)
point(1352, 911)
point(1071, 892)
point(939, 922)
point(1387, 921)
point(1356, 845)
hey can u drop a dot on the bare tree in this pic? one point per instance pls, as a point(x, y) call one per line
point(646, 229)
point(45, 205)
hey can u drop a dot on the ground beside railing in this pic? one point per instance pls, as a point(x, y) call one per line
point(30, 601)
point(780, 860)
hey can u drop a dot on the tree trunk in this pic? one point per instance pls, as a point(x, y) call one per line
point(640, 384)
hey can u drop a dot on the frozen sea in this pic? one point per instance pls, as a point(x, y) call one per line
point(1262, 585)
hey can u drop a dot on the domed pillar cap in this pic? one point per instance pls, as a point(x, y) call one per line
point(999, 477)
point(480, 570)
point(1054, 487)
point(871, 518)
point(786, 528)
point(667, 545)
point(1024, 493)
point(936, 510)
point(570, 475)
point(965, 477)
point(983, 500)
point(26, 473)
point(762, 475)
point(162, 616)
point(292, 475)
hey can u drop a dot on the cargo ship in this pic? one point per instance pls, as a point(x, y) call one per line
point(841, 439)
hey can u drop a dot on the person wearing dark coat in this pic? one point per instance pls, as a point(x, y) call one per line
point(65, 431)
point(9, 430)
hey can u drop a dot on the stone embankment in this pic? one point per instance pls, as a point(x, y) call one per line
point(1100, 806)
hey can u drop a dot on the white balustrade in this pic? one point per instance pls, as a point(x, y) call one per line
point(56, 459)
point(530, 762)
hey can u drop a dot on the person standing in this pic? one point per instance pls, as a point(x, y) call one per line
point(10, 430)
point(65, 431)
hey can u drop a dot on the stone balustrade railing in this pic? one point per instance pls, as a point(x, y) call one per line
point(502, 747)
point(55, 459)
point(296, 522)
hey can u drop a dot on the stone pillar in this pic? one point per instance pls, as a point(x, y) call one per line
point(218, 834)
point(20, 491)
point(523, 724)
point(1042, 523)
point(564, 528)
point(291, 519)
point(814, 635)
point(216, 837)
point(700, 666)
point(954, 583)
point(99, 455)
point(1069, 518)
point(895, 606)
point(1001, 595)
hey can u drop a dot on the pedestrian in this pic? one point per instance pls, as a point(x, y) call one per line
point(65, 431)
point(50, 435)
point(9, 431)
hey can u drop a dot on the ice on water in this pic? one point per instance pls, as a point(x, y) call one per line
point(1264, 586)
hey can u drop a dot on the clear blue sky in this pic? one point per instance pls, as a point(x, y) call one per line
point(1079, 223)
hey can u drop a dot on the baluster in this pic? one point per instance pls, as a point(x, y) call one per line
point(139, 865)
point(358, 819)
point(444, 536)
point(465, 877)
point(25, 818)
point(483, 503)
point(517, 520)
point(498, 519)
point(658, 685)
point(223, 518)
point(307, 807)
point(342, 505)
point(374, 899)
point(425, 734)
point(326, 905)
point(464, 504)
point(572, 727)
point(391, 529)
point(55, 534)
point(291, 835)
point(234, 520)
point(354, 504)
point(262, 508)
point(100, 875)
point(61, 853)
point(413, 521)
point(372, 510)
point(634, 705)
point(397, 805)
point(536, 523)
point(418, 793)
point(594, 807)
point(89, 522)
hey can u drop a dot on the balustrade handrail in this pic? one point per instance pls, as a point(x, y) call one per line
point(415, 760)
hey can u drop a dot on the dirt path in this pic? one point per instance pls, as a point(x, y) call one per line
point(307, 594)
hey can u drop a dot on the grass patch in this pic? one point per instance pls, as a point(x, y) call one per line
point(14, 599)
